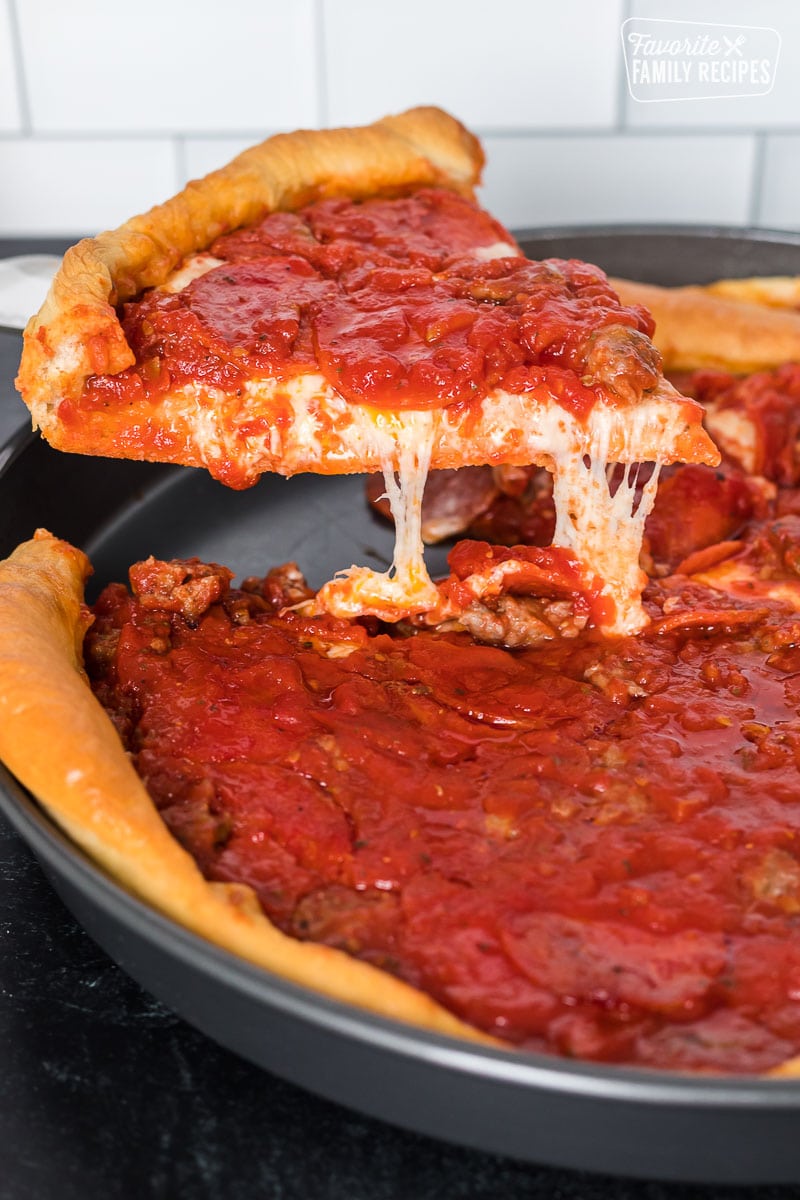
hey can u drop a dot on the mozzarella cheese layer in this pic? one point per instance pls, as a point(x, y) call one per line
point(318, 430)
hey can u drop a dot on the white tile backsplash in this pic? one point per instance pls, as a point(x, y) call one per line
point(106, 108)
point(201, 155)
point(780, 183)
point(165, 67)
point(602, 179)
point(10, 115)
point(779, 108)
point(81, 186)
point(506, 64)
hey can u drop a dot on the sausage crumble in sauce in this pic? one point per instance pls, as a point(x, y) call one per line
point(587, 846)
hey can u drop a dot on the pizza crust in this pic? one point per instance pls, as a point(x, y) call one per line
point(777, 291)
point(787, 1070)
point(77, 333)
point(59, 742)
point(61, 745)
point(697, 328)
point(301, 422)
point(314, 428)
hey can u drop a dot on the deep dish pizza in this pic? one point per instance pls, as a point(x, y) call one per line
point(516, 805)
point(337, 302)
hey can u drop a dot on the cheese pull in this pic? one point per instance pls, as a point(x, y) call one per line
point(337, 302)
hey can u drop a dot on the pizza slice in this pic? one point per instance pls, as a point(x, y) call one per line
point(337, 302)
point(486, 844)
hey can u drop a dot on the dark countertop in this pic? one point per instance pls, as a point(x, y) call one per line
point(104, 1092)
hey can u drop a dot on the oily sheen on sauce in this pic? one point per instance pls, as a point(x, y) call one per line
point(367, 294)
point(587, 847)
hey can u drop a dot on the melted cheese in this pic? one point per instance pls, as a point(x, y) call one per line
point(313, 428)
point(320, 430)
point(604, 530)
point(601, 528)
point(742, 579)
point(405, 443)
point(495, 250)
point(735, 433)
point(190, 269)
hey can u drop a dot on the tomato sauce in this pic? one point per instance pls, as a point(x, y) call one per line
point(388, 299)
point(588, 848)
point(770, 402)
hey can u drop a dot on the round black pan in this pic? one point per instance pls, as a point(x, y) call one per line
point(540, 1109)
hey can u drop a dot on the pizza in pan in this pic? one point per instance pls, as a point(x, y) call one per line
point(514, 806)
point(337, 302)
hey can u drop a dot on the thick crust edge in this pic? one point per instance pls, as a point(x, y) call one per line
point(697, 328)
point(59, 742)
point(76, 332)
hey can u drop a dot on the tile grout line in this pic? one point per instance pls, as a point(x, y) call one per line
point(19, 64)
point(622, 74)
point(551, 134)
point(112, 135)
point(757, 182)
point(643, 131)
point(181, 166)
point(321, 64)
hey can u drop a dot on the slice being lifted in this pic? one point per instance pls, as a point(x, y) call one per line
point(336, 302)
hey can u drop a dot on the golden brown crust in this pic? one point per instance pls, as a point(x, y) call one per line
point(696, 328)
point(59, 742)
point(330, 436)
point(301, 424)
point(786, 1070)
point(777, 291)
point(76, 333)
point(310, 427)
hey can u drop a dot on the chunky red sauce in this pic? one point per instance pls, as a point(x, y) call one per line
point(770, 401)
point(387, 299)
point(696, 507)
point(590, 847)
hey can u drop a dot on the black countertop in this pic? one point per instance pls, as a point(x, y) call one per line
point(104, 1092)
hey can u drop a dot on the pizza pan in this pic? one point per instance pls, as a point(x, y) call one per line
point(536, 1108)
